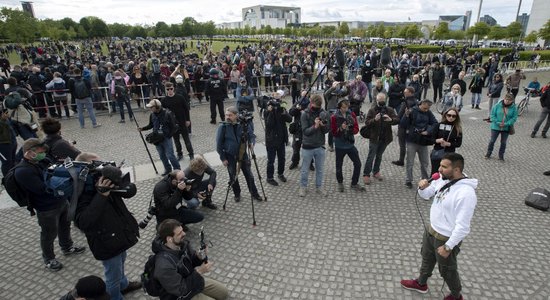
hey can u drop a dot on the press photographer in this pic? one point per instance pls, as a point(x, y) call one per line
point(109, 226)
point(201, 189)
point(276, 135)
point(174, 199)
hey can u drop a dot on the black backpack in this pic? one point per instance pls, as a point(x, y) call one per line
point(13, 189)
point(120, 88)
point(81, 91)
point(538, 198)
point(155, 64)
point(151, 286)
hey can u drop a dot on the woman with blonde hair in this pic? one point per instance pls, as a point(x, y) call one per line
point(453, 98)
point(448, 136)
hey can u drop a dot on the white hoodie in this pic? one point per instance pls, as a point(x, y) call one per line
point(452, 211)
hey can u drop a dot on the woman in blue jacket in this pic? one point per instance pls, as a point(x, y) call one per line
point(503, 116)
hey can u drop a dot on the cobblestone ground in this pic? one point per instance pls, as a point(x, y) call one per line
point(346, 246)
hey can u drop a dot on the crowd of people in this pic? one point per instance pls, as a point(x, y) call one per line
point(162, 78)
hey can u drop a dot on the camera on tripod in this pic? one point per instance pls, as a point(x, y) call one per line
point(264, 102)
point(151, 212)
point(244, 116)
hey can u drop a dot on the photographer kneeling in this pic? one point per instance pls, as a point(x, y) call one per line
point(201, 189)
point(174, 199)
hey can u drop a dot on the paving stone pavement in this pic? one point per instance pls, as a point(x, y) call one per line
point(347, 246)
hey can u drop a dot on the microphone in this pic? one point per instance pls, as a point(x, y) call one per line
point(435, 176)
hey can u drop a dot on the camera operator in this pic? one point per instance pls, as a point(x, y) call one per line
point(337, 91)
point(245, 96)
point(174, 200)
point(179, 269)
point(276, 136)
point(229, 147)
point(315, 124)
point(357, 93)
point(201, 189)
point(109, 226)
point(408, 104)
point(344, 126)
point(296, 130)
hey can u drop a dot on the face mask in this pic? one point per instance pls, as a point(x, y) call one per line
point(382, 103)
point(368, 65)
point(39, 156)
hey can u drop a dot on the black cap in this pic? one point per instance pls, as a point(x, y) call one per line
point(92, 288)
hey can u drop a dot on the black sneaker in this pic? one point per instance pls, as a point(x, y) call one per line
point(237, 198)
point(398, 163)
point(293, 166)
point(213, 122)
point(180, 156)
point(272, 181)
point(132, 286)
point(210, 205)
point(282, 178)
point(311, 167)
point(533, 134)
point(544, 136)
point(409, 185)
point(122, 121)
point(54, 265)
point(547, 173)
point(74, 250)
point(257, 198)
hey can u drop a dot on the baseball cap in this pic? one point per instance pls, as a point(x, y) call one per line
point(280, 93)
point(179, 79)
point(91, 287)
point(155, 103)
point(33, 143)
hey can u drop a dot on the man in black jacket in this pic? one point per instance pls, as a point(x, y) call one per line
point(163, 122)
point(438, 77)
point(59, 148)
point(395, 95)
point(179, 106)
point(201, 189)
point(545, 112)
point(51, 212)
point(174, 200)
point(109, 227)
point(179, 269)
point(217, 91)
point(276, 136)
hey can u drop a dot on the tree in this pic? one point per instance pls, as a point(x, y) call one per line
point(85, 24)
point(400, 32)
point(98, 28)
point(188, 26)
point(531, 37)
point(328, 30)
point(413, 32)
point(380, 30)
point(268, 29)
point(371, 31)
point(314, 31)
point(442, 30)
point(119, 30)
point(544, 32)
point(287, 31)
point(479, 28)
point(68, 23)
point(514, 31)
point(497, 32)
point(360, 32)
point(209, 28)
point(343, 29)
point(18, 26)
point(162, 29)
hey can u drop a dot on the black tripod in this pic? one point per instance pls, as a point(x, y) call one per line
point(244, 149)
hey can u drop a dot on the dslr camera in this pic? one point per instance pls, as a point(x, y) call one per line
point(151, 212)
point(244, 116)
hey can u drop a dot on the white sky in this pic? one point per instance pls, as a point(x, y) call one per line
point(174, 11)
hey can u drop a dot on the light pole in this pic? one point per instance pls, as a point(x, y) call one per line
point(474, 39)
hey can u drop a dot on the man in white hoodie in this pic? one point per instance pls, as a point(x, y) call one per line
point(454, 202)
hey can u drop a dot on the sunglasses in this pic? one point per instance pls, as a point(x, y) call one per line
point(451, 115)
point(169, 89)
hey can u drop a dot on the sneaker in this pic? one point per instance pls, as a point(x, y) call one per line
point(180, 156)
point(330, 148)
point(340, 187)
point(501, 159)
point(533, 134)
point(358, 188)
point(213, 122)
point(547, 173)
point(210, 205)
point(302, 192)
point(398, 163)
point(321, 191)
point(121, 121)
point(311, 167)
point(544, 135)
point(477, 107)
point(282, 178)
point(257, 198)
point(487, 156)
point(413, 285)
point(272, 181)
point(132, 286)
point(409, 185)
point(54, 265)
point(237, 198)
point(378, 176)
point(293, 166)
point(366, 179)
point(74, 250)
point(451, 297)
point(97, 125)
point(488, 119)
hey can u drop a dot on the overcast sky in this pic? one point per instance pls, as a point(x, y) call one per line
point(174, 11)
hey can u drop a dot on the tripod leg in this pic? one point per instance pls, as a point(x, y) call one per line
point(253, 155)
point(231, 183)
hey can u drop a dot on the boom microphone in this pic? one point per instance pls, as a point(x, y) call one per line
point(385, 56)
point(340, 59)
point(435, 176)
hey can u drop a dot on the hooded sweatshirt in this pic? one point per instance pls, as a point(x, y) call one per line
point(452, 210)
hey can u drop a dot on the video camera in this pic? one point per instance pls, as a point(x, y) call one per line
point(265, 101)
point(245, 116)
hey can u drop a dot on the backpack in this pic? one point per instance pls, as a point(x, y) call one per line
point(538, 198)
point(13, 100)
point(120, 88)
point(59, 87)
point(151, 286)
point(81, 91)
point(16, 193)
point(155, 63)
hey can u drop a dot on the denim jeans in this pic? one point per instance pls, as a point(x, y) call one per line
point(544, 114)
point(375, 155)
point(271, 153)
point(307, 155)
point(503, 139)
point(354, 156)
point(247, 172)
point(120, 103)
point(167, 156)
point(54, 223)
point(85, 103)
point(423, 156)
point(476, 98)
point(115, 279)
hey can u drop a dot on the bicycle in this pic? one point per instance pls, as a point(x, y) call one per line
point(523, 105)
point(440, 104)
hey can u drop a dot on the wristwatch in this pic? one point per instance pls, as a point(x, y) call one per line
point(447, 248)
